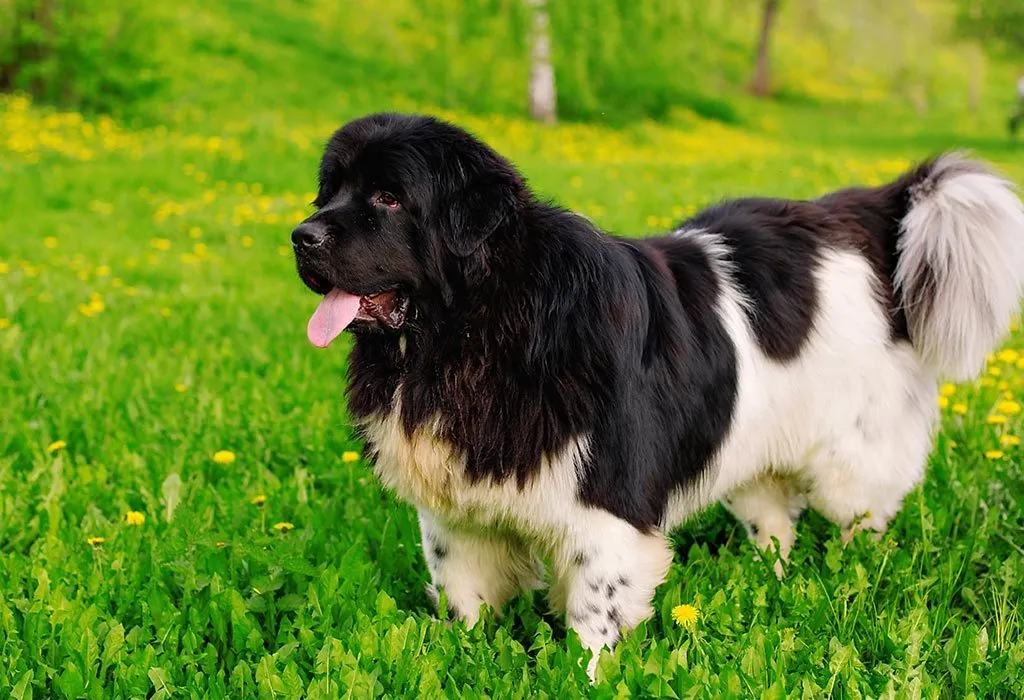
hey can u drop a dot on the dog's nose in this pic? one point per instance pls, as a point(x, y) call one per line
point(308, 235)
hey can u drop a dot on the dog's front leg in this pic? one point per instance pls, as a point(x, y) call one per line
point(475, 568)
point(607, 571)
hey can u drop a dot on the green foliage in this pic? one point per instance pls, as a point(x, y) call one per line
point(615, 61)
point(993, 20)
point(93, 55)
point(451, 54)
point(624, 60)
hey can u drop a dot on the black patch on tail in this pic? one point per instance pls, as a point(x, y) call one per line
point(869, 220)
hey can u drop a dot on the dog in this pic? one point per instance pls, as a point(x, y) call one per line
point(535, 386)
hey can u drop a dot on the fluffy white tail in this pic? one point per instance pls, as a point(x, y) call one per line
point(960, 268)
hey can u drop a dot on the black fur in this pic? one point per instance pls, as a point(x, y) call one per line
point(529, 327)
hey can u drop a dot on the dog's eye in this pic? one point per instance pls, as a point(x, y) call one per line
point(386, 198)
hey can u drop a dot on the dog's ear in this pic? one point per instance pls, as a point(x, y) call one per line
point(475, 212)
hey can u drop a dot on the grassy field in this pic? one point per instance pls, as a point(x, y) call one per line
point(184, 511)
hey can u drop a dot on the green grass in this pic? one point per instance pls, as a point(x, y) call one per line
point(198, 350)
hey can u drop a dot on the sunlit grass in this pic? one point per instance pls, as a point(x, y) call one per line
point(184, 509)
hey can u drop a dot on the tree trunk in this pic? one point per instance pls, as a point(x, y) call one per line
point(542, 73)
point(761, 84)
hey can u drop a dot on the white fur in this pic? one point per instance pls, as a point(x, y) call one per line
point(967, 226)
point(847, 425)
point(488, 534)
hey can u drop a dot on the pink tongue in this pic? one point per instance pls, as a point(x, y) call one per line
point(335, 312)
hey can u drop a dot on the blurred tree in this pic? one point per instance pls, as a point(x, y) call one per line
point(761, 84)
point(1001, 21)
point(542, 72)
point(94, 55)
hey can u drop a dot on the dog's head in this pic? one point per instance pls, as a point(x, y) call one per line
point(404, 204)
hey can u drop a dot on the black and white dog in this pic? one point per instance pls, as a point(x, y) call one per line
point(534, 385)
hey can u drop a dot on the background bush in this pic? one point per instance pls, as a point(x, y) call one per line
point(93, 55)
point(615, 61)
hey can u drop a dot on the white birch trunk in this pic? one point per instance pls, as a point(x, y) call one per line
point(542, 72)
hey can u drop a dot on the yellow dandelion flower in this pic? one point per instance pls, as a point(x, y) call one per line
point(1008, 356)
point(987, 381)
point(134, 517)
point(994, 454)
point(995, 371)
point(95, 541)
point(117, 283)
point(1003, 385)
point(943, 402)
point(165, 312)
point(223, 457)
point(180, 388)
point(947, 389)
point(960, 408)
point(55, 446)
point(1020, 363)
point(996, 419)
point(4, 268)
point(349, 456)
point(1009, 441)
point(258, 500)
point(50, 242)
point(103, 271)
point(1008, 407)
point(130, 291)
point(161, 243)
point(247, 241)
point(5, 323)
point(685, 615)
point(283, 527)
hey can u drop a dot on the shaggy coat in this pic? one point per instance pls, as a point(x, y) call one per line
point(533, 385)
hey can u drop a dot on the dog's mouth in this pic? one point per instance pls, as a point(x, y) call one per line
point(340, 310)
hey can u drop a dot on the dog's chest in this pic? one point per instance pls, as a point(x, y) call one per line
point(421, 468)
point(429, 472)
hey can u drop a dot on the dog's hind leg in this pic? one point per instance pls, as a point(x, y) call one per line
point(769, 507)
point(475, 568)
point(606, 573)
point(859, 479)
